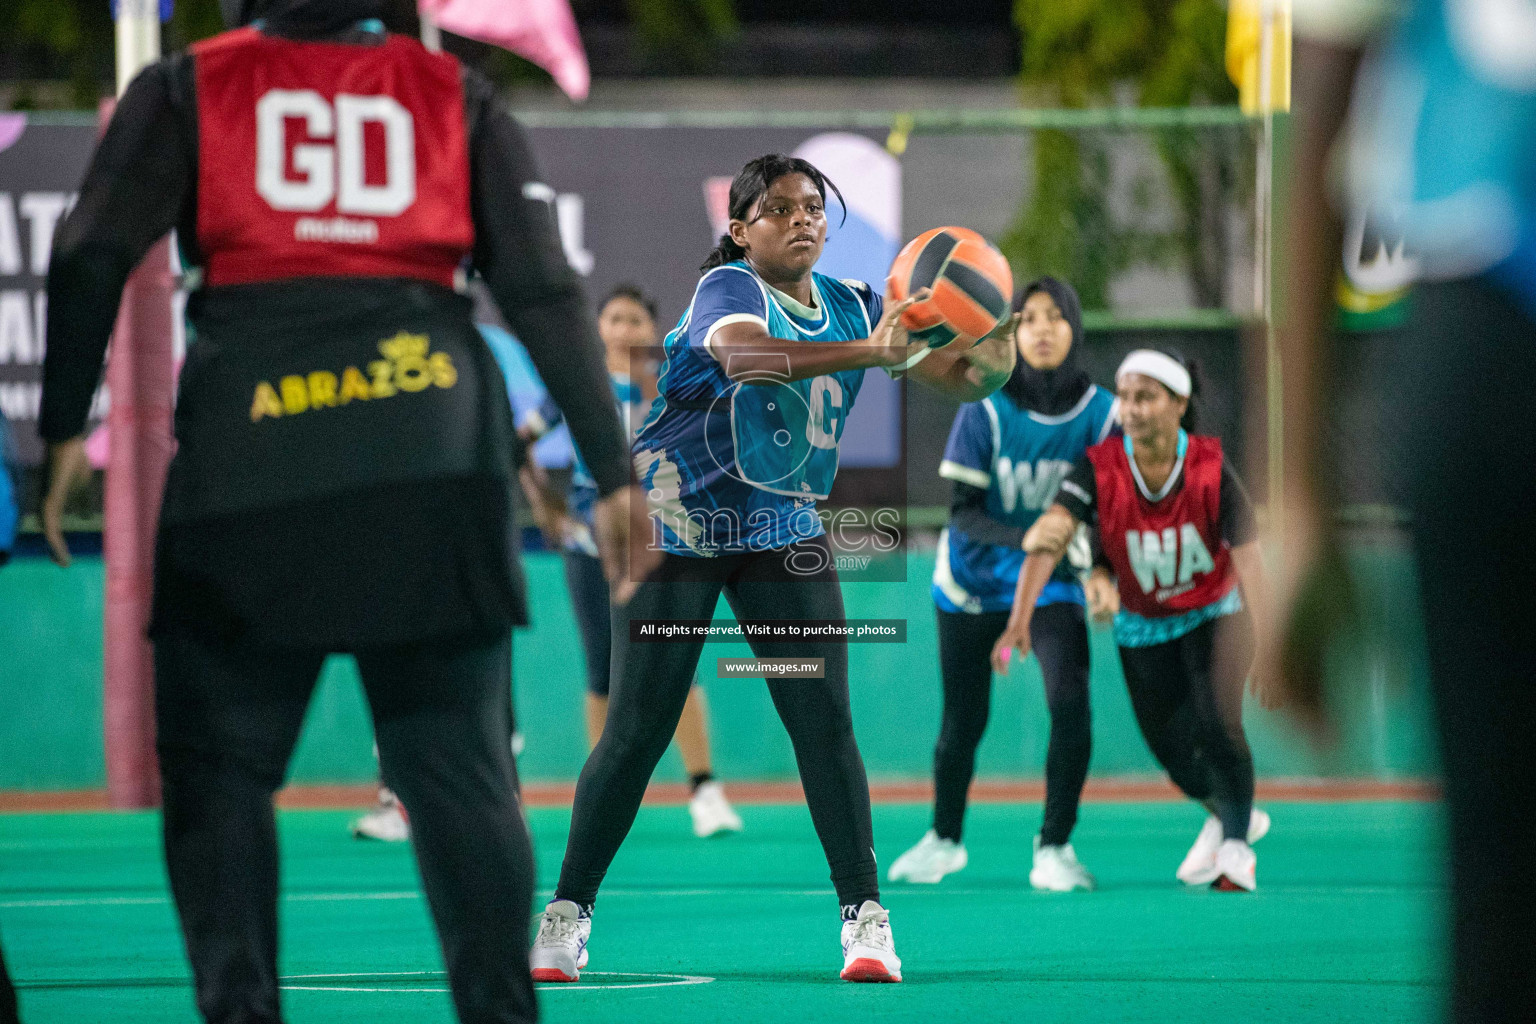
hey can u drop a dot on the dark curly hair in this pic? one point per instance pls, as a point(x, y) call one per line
point(748, 187)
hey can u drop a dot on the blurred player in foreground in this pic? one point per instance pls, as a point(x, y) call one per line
point(1441, 131)
point(759, 377)
point(1006, 456)
point(345, 453)
point(1178, 533)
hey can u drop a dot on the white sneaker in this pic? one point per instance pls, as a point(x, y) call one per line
point(1236, 866)
point(1056, 869)
point(386, 822)
point(1199, 867)
point(560, 949)
point(929, 861)
point(711, 812)
point(869, 951)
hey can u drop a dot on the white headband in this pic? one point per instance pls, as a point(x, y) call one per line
point(1162, 368)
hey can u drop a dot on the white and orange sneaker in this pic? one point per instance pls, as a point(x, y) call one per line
point(560, 949)
point(1236, 867)
point(1199, 867)
point(869, 951)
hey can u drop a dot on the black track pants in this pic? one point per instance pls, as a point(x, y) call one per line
point(228, 720)
point(1188, 698)
point(1059, 639)
point(650, 685)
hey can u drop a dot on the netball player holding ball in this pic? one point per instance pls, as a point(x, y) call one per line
point(756, 384)
point(1006, 456)
point(1177, 530)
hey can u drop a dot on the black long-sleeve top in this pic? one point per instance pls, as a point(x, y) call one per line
point(142, 182)
point(402, 562)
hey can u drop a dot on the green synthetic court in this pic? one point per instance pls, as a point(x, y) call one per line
point(1344, 928)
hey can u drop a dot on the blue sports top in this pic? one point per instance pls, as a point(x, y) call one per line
point(626, 394)
point(739, 466)
point(1020, 457)
point(1444, 131)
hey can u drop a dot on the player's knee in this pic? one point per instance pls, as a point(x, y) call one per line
point(193, 768)
point(963, 732)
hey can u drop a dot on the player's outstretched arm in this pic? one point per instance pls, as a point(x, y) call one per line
point(972, 374)
point(1313, 595)
point(1046, 541)
point(753, 356)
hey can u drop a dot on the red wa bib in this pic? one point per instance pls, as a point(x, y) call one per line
point(1167, 555)
point(330, 160)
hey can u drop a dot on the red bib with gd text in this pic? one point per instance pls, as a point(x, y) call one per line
point(321, 159)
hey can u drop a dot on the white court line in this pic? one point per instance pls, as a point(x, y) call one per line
point(674, 980)
point(342, 897)
point(89, 901)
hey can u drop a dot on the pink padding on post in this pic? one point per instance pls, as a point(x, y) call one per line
point(140, 382)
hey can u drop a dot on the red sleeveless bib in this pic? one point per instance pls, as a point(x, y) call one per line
point(328, 160)
point(1167, 555)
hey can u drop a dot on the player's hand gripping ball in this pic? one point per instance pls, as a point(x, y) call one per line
point(971, 281)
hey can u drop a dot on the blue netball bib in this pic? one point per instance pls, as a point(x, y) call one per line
point(1020, 458)
point(735, 465)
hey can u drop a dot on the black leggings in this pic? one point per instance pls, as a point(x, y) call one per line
point(650, 685)
point(1059, 638)
point(1188, 698)
point(590, 604)
point(7, 995)
point(594, 617)
point(227, 722)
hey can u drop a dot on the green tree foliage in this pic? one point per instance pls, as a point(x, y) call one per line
point(75, 37)
point(1081, 53)
point(193, 20)
point(682, 31)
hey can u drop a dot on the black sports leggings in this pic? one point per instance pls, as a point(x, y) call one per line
point(227, 722)
point(650, 685)
point(1188, 698)
point(1059, 638)
point(1467, 453)
point(589, 603)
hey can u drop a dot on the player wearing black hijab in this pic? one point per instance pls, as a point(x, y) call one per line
point(1006, 456)
point(345, 454)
